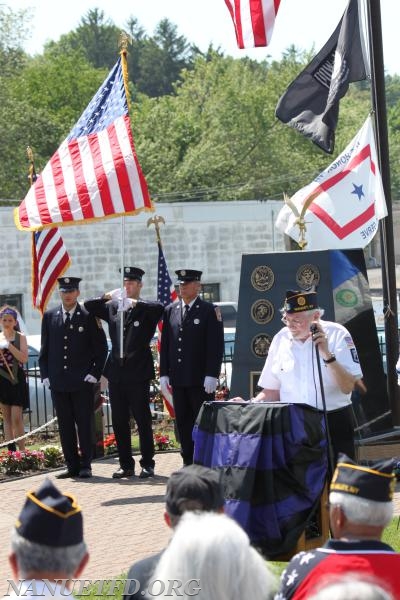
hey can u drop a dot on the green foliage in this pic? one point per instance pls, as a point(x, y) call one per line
point(204, 125)
point(53, 456)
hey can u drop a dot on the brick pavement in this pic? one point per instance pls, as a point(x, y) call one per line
point(123, 519)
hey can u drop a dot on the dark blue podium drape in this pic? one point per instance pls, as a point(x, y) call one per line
point(273, 463)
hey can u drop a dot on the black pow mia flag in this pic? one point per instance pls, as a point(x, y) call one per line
point(311, 102)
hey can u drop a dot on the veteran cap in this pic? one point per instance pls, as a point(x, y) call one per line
point(50, 518)
point(193, 488)
point(375, 482)
point(68, 284)
point(133, 274)
point(298, 301)
point(186, 275)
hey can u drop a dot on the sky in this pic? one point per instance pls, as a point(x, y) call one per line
point(299, 22)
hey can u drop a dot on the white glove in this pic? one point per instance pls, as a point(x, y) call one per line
point(4, 344)
point(124, 303)
point(164, 384)
point(90, 379)
point(210, 384)
point(46, 382)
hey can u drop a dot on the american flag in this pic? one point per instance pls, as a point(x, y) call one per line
point(166, 294)
point(253, 21)
point(95, 173)
point(50, 260)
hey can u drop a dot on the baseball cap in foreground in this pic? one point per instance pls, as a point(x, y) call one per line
point(50, 518)
point(375, 482)
point(194, 486)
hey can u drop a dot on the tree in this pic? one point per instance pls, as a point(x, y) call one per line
point(162, 59)
point(96, 38)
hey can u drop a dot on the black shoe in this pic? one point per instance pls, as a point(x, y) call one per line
point(12, 447)
point(85, 473)
point(67, 474)
point(123, 473)
point(146, 472)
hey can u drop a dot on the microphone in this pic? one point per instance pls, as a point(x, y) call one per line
point(313, 328)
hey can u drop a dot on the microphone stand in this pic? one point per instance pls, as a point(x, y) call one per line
point(331, 462)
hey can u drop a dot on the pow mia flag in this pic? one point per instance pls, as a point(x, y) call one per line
point(311, 102)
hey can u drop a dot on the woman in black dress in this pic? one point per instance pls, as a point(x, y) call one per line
point(13, 389)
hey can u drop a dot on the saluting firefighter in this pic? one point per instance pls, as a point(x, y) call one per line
point(129, 378)
point(72, 356)
point(191, 355)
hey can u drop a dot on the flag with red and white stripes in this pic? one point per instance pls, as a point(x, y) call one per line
point(95, 173)
point(166, 294)
point(50, 260)
point(253, 20)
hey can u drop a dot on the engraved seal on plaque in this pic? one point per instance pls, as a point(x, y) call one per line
point(307, 276)
point(262, 311)
point(260, 345)
point(262, 278)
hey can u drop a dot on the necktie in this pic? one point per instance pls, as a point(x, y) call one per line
point(67, 321)
point(186, 310)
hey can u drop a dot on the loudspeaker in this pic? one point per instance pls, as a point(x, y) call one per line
point(340, 277)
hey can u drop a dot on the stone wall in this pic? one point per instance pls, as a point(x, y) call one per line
point(208, 236)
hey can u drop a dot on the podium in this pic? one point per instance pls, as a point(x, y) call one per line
point(273, 464)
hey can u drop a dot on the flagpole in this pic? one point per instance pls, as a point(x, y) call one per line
point(385, 225)
point(123, 43)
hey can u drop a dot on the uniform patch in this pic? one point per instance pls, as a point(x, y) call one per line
point(354, 355)
point(349, 341)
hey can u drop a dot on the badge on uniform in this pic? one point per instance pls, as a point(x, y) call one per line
point(354, 355)
point(136, 323)
point(196, 321)
point(79, 328)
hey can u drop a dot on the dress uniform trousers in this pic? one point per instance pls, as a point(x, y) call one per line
point(187, 404)
point(127, 399)
point(75, 407)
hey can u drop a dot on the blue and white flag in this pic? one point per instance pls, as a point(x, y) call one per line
point(351, 294)
point(341, 208)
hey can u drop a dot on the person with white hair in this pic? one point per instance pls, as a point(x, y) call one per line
point(210, 557)
point(360, 507)
point(47, 544)
point(352, 587)
point(290, 373)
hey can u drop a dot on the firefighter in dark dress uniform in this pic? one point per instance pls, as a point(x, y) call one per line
point(129, 377)
point(72, 356)
point(191, 355)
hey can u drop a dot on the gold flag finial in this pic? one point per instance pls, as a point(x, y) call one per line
point(300, 221)
point(32, 172)
point(124, 41)
point(156, 220)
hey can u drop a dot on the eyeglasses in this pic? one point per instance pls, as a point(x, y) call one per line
point(293, 321)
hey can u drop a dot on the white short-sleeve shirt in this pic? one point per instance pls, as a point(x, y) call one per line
point(291, 367)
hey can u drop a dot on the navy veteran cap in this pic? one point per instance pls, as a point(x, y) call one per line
point(299, 301)
point(133, 273)
point(194, 488)
point(50, 518)
point(375, 482)
point(186, 275)
point(68, 284)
